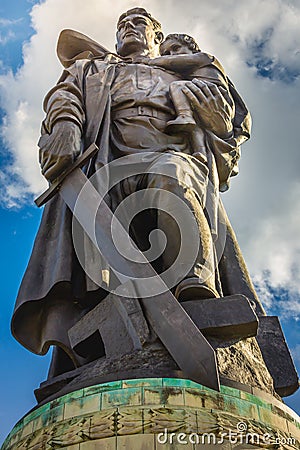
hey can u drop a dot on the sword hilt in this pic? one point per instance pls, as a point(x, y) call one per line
point(55, 186)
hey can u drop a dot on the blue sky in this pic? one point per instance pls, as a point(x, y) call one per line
point(261, 55)
point(18, 227)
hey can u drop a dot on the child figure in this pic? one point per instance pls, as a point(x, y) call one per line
point(180, 53)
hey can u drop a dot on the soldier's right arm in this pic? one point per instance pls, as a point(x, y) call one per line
point(62, 128)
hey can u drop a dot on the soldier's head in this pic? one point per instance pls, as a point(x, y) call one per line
point(138, 33)
point(176, 44)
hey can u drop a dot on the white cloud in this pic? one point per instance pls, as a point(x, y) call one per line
point(264, 200)
point(9, 22)
point(296, 353)
point(7, 33)
point(272, 23)
point(7, 37)
point(14, 192)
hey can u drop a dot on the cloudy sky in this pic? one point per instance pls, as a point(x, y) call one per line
point(258, 42)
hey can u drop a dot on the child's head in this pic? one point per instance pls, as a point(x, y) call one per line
point(177, 44)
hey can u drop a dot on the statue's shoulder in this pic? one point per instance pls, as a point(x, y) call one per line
point(75, 48)
point(212, 60)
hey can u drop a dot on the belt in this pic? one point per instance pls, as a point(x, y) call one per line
point(141, 111)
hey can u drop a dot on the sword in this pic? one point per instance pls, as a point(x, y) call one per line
point(174, 327)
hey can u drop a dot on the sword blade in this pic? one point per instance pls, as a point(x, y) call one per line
point(174, 327)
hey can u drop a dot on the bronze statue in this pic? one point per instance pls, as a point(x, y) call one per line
point(126, 104)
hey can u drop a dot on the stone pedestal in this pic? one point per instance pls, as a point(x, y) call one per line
point(157, 414)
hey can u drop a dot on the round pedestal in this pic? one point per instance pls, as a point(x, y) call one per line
point(157, 413)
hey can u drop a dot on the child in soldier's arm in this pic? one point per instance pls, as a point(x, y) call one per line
point(180, 53)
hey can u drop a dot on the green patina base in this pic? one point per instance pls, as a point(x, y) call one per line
point(157, 413)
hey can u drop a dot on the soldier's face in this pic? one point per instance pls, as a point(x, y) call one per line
point(135, 34)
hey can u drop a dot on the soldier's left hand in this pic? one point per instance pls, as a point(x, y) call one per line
point(212, 105)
